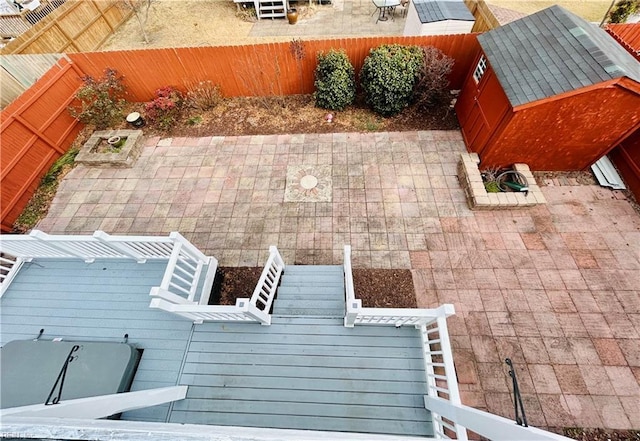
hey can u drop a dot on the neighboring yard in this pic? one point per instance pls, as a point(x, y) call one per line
point(591, 10)
point(216, 23)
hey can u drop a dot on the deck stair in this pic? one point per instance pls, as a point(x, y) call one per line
point(311, 291)
point(271, 9)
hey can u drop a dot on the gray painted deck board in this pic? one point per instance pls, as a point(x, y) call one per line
point(307, 373)
point(297, 269)
point(100, 301)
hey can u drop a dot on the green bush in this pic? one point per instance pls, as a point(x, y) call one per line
point(622, 10)
point(100, 101)
point(335, 81)
point(388, 77)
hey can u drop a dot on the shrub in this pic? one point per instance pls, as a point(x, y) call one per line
point(335, 81)
point(388, 76)
point(432, 85)
point(622, 10)
point(101, 101)
point(204, 96)
point(165, 108)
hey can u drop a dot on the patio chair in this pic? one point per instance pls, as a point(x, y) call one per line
point(404, 5)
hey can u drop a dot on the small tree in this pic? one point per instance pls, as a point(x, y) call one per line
point(101, 101)
point(164, 110)
point(388, 76)
point(622, 10)
point(140, 9)
point(432, 85)
point(335, 80)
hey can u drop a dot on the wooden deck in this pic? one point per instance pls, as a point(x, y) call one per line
point(101, 301)
point(305, 371)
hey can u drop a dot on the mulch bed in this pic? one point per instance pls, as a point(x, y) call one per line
point(601, 434)
point(233, 283)
point(384, 288)
point(296, 114)
point(377, 288)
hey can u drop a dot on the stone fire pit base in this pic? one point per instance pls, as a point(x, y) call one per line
point(124, 158)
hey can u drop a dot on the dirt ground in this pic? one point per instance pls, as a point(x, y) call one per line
point(297, 114)
point(591, 10)
point(174, 23)
point(377, 288)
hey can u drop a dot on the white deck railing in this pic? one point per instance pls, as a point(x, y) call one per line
point(240, 312)
point(182, 277)
point(176, 294)
point(9, 267)
point(265, 291)
point(88, 248)
point(451, 418)
point(440, 373)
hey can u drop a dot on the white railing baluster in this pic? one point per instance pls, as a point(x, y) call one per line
point(9, 267)
point(106, 239)
point(66, 250)
point(265, 290)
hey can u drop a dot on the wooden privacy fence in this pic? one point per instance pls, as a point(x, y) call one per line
point(76, 26)
point(255, 70)
point(19, 72)
point(485, 20)
point(628, 35)
point(36, 128)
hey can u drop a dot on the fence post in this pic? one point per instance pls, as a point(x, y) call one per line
point(353, 310)
point(189, 248)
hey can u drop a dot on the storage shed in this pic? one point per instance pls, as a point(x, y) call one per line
point(626, 156)
point(429, 17)
point(550, 90)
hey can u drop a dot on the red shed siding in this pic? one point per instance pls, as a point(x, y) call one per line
point(627, 158)
point(570, 133)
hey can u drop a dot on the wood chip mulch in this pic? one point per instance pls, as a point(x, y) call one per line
point(377, 288)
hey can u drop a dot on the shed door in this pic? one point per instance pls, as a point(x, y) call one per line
point(476, 129)
point(479, 96)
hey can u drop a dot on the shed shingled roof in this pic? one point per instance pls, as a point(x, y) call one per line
point(430, 11)
point(552, 52)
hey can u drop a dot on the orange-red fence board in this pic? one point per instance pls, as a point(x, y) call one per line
point(627, 32)
point(263, 69)
point(35, 130)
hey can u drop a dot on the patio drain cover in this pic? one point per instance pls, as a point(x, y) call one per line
point(307, 183)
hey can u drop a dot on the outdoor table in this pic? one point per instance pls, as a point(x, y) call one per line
point(384, 6)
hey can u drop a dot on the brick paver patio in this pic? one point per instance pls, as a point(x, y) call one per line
point(556, 288)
